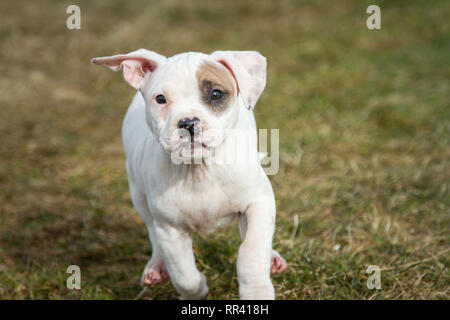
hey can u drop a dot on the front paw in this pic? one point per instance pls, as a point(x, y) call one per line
point(191, 288)
point(257, 292)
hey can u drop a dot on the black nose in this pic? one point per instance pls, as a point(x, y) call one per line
point(188, 124)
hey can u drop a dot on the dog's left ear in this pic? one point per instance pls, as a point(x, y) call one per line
point(248, 69)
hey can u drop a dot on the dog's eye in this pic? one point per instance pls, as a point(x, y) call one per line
point(216, 95)
point(160, 99)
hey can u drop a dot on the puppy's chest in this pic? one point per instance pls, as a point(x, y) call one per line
point(202, 208)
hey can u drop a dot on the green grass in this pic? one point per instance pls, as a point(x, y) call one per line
point(364, 121)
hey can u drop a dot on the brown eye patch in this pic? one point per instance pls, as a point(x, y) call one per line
point(216, 86)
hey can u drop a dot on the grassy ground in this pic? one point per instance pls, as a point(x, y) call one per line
point(364, 121)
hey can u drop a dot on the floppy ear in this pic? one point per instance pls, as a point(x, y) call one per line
point(248, 69)
point(136, 65)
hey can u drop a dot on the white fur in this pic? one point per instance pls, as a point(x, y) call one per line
point(176, 200)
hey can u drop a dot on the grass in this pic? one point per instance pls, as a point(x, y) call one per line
point(364, 121)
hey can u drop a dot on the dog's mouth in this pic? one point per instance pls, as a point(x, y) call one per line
point(191, 140)
point(197, 144)
point(191, 151)
point(192, 145)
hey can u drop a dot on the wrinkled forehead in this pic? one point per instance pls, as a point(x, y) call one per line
point(188, 69)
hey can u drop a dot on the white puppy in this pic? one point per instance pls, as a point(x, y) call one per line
point(185, 105)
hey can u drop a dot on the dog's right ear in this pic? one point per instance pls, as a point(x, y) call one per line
point(136, 65)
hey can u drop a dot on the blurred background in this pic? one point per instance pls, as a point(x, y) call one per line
point(364, 145)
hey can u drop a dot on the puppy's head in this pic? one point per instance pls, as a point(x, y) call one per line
point(192, 99)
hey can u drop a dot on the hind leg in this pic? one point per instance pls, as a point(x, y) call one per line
point(277, 264)
point(155, 271)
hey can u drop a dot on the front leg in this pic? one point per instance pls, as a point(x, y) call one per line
point(176, 250)
point(277, 263)
point(255, 252)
